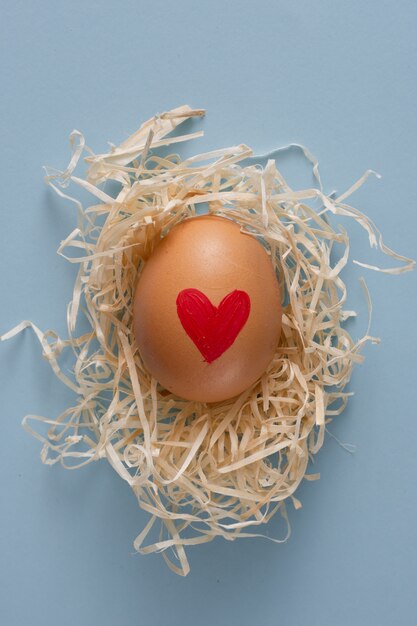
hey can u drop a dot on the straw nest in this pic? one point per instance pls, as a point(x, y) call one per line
point(200, 470)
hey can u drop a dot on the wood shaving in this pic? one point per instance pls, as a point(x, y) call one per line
point(200, 470)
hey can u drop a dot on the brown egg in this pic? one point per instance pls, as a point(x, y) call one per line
point(207, 310)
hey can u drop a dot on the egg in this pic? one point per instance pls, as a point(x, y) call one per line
point(207, 310)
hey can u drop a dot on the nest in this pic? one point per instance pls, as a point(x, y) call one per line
point(200, 470)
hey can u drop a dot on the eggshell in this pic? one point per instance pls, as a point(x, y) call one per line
point(195, 348)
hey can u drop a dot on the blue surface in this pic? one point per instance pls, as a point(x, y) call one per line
point(337, 76)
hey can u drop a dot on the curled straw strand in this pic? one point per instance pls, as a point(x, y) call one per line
point(201, 470)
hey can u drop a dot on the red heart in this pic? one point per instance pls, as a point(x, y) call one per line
point(212, 329)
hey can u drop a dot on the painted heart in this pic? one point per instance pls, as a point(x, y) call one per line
point(212, 329)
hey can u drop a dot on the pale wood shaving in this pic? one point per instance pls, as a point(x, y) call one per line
point(201, 470)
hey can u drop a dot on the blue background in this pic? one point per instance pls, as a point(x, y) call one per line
point(337, 76)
